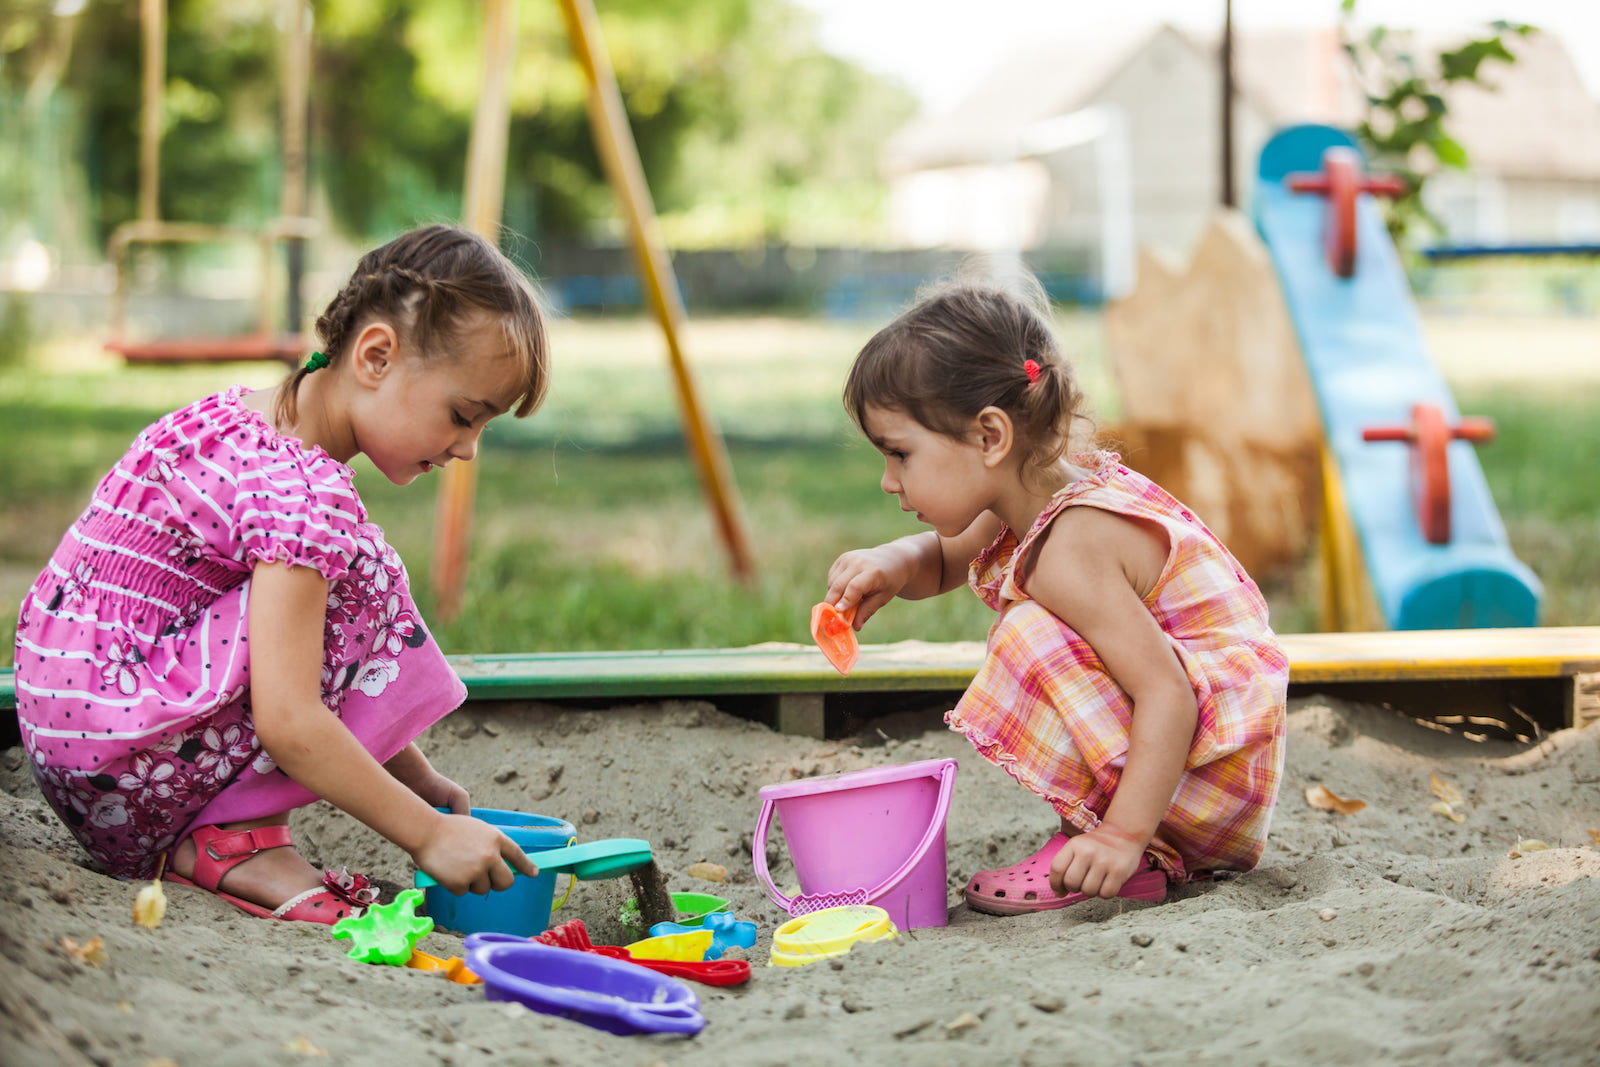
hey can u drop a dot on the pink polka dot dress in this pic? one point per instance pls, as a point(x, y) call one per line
point(133, 657)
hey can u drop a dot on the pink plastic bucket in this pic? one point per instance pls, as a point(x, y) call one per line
point(864, 837)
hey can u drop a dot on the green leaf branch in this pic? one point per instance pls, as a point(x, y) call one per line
point(1405, 129)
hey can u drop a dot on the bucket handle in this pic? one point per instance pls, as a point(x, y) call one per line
point(758, 845)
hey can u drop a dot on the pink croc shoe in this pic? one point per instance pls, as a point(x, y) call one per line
point(1026, 887)
point(219, 851)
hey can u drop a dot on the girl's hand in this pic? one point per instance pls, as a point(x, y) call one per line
point(464, 854)
point(441, 792)
point(1097, 863)
point(412, 768)
point(866, 579)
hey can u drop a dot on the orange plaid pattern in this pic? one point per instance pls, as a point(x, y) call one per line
point(1044, 708)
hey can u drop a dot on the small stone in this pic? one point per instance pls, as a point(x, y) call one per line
point(504, 774)
point(465, 728)
point(1365, 968)
point(1142, 940)
point(1049, 1003)
point(590, 817)
point(837, 963)
point(706, 872)
point(1327, 915)
point(853, 1004)
point(492, 729)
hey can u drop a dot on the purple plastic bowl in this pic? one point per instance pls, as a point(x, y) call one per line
point(607, 994)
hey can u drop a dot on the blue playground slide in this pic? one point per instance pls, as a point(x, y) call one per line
point(1369, 366)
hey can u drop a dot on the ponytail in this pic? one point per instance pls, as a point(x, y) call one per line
point(425, 283)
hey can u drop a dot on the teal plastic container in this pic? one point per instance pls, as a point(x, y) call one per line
point(522, 910)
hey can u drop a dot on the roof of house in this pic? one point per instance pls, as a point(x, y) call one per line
point(1539, 120)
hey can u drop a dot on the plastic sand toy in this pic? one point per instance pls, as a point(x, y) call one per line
point(607, 994)
point(589, 861)
point(694, 907)
point(830, 932)
point(386, 933)
point(574, 935)
point(834, 632)
point(690, 945)
point(454, 968)
point(726, 932)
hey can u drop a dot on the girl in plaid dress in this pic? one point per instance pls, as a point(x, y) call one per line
point(222, 637)
point(1132, 681)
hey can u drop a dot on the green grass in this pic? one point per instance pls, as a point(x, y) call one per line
point(590, 529)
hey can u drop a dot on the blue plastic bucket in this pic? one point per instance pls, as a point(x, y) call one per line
point(523, 909)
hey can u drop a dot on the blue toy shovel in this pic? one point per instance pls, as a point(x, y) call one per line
point(588, 862)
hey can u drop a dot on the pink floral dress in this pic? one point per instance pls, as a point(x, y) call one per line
point(132, 654)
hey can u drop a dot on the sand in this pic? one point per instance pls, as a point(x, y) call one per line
point(1392, 935)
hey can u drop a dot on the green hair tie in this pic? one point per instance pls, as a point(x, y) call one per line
point(316, 362)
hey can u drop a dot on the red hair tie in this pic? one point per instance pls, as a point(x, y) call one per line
point(1032, 369)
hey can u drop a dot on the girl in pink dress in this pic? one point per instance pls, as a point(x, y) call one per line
point(222, 636)
point(1131, 680)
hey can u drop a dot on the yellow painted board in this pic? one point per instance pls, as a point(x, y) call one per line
point(1422, 655)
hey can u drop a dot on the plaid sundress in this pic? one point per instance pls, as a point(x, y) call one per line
point(1044, 708)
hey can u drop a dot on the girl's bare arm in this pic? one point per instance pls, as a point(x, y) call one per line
point(914, 567)
point(287, 608)
point(1088, 574)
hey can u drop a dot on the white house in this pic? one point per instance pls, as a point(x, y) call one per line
point(1109, 143)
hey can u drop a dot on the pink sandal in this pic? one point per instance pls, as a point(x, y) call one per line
point(219, 851)
point(1025, 887)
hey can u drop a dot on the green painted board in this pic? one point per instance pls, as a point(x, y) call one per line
point(709, 672)
point(758, 669)
point(910, 666)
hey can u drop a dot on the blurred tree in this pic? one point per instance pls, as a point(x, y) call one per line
point(1405, 129)
point(746, 129)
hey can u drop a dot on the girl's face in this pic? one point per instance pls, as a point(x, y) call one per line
point(942, 479)
point(421, 415)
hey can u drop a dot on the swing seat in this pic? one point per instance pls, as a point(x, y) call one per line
point(285, 348)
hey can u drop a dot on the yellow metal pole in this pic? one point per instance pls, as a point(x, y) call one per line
point(1346, 603)
point(153, 21)
point(483, 201)
point(620, 155)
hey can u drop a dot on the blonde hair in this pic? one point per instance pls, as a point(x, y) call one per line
point(425, 284)
point(964, 346)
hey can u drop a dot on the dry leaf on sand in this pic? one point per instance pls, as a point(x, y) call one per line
point(150, 906)
point(1324, 799)
point(92, 951)
point(1442, 807)
point(1525, 845)
point(1444, 790)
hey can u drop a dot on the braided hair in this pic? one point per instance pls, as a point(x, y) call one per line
point(964, 346)
point(426, 283)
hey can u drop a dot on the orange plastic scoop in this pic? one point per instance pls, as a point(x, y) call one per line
point(834, 633)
